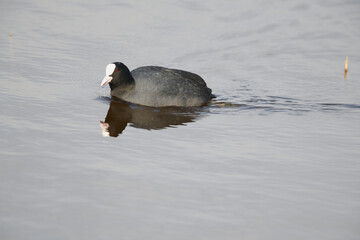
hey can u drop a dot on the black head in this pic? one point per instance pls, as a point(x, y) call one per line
point(117, 74)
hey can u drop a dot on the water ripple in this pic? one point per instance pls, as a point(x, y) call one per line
point(283, 104)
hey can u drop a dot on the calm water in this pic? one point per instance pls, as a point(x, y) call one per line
point(276, 156)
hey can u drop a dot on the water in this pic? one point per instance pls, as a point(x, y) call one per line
point(275, 156)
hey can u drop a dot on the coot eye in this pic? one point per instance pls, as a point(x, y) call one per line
point(116, 70)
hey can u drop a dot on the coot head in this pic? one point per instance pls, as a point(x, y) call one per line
point(117, 74)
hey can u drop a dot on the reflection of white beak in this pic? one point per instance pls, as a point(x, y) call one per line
point(104, 127)
point(106, 80)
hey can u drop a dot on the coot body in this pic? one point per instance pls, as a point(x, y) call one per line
point(156, 86)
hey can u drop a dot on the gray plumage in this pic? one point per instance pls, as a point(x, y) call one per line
point(158, 87)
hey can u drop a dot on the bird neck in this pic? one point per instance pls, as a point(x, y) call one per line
point(122, 81)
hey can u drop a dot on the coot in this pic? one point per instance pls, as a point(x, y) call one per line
point(156, 86)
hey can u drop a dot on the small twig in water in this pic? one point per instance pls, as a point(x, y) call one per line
point(346, 66)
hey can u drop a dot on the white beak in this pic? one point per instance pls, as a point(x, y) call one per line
point(106, 80)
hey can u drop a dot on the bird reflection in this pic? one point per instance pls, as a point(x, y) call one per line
point(120, 114)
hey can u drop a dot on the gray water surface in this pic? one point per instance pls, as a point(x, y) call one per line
point(274, 156)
